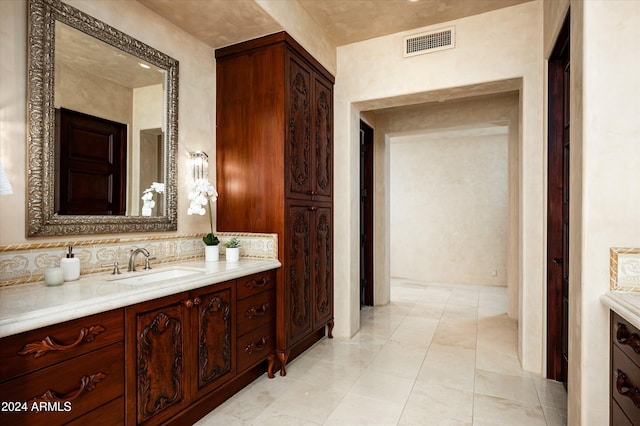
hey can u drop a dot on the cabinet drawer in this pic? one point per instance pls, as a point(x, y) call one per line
point(625, 384)
point(256, 346)
point(626, 337)
point(255, 311)
point(256, 283)
point(111, 413)
point(41, 348)
point(618, 418)
point(67, 390)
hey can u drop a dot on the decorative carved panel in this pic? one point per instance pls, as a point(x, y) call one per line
point(323, 266)
point(160, 361)
point(214, 342)
point(323, 142)
point(299, 129)
point(299, 271)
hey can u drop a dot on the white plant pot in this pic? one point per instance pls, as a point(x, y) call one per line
point(232, 254)
point(211, 253)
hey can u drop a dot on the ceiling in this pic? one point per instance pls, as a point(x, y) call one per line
point(221, 23)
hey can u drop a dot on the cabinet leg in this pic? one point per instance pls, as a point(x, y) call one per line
point(271, 361)
point(330, 325)
point(283, 356)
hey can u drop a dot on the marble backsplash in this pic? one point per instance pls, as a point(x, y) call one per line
point(25, 263)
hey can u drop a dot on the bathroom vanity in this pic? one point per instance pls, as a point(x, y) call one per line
point(625, 357)
point(102, 350)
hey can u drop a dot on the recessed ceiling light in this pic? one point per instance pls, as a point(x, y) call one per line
point(145, 66)
point(413, 1)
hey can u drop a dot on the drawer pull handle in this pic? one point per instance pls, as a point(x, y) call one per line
point(47, 344)
point(627, 389)
point(625, 338)
point(87, 384)
point(253, 312)
point(257, 346)
point(253, 283)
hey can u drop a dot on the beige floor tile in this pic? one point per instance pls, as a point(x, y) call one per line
point(382, 387)
point(517, 388)
point(437, 405)
point(306, 401)
point(491, 410)
point(356, 410)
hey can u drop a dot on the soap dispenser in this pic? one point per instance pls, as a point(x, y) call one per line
point(70, 266)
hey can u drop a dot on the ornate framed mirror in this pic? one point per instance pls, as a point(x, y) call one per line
point(78, 64)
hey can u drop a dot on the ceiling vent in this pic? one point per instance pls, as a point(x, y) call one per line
point(432, 41)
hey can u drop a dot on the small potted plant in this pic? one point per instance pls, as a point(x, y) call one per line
point(232, 253)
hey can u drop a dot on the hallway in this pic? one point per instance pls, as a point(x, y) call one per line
point(438, 354)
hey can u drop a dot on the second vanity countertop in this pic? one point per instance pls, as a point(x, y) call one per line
point(625, 304)
point(27, 307)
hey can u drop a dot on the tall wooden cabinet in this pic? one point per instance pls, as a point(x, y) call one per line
point(274, 164)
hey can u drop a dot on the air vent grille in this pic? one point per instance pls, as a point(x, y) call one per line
point(431, 41)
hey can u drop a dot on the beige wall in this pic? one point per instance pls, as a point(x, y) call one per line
point(449, 206)
point(196, 101)
point(376, 70)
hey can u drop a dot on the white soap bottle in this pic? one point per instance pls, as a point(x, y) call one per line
point(70, 266)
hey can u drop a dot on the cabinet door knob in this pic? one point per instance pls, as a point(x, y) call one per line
point(313, 208)
point(188, 303)
point(196, 301)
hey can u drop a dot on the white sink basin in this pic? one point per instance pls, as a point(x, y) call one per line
point(148, 278)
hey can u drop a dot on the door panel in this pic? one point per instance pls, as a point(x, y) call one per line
point(93, 165)
point(322, 237)
point(298, 272)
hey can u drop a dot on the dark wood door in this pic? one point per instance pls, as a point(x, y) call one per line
point(322, 265)
point(558, 209)
point(366, 215)
point(213, 322)
point(157, 352)
point(91, 179)
point(298, 271)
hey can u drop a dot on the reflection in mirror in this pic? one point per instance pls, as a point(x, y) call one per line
point(102, 126)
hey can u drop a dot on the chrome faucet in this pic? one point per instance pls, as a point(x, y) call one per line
point(132, 258)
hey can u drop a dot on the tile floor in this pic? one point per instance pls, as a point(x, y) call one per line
point(436, 355)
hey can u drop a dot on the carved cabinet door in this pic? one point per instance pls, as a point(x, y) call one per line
point(322, 158)
point(298, 271)
point(158, 356)
point(215, 336)
point(298, 137)
point(322, 265)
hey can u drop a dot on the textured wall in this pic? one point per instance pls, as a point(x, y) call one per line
point(449, 206)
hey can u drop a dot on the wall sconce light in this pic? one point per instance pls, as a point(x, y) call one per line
point(199, 166)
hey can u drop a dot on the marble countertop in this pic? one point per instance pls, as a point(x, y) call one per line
point(30, 306)
point(625, 304)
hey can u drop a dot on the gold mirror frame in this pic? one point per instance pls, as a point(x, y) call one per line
point(42, 220)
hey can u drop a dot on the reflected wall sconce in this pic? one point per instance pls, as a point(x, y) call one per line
point(199, 166)
point(5, 185)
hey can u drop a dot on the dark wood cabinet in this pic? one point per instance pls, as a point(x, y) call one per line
point(183, 351)
point(68, 372)
point(625, 372)
point(275, 173)
point(165, 361)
